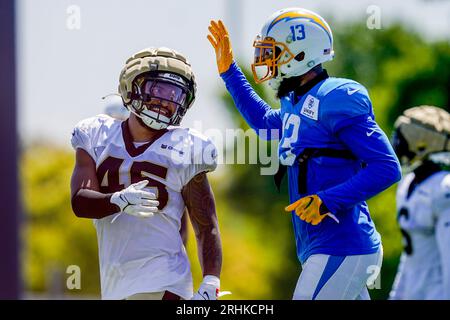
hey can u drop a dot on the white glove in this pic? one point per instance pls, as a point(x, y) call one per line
point(209, 289)
point(135, 201)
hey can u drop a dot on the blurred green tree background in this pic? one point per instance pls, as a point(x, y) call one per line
point(400, 70)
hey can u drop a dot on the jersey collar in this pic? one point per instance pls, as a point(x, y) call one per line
point(301, 90)
point(128, 140)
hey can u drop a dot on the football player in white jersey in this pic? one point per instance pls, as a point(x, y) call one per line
point(135, 178)
point(115, 108)
point(421, 139)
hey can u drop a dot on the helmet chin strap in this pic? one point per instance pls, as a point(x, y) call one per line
point(149, 122)
point(153, 124)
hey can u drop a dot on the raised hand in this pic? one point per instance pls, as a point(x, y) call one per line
point(220, 40)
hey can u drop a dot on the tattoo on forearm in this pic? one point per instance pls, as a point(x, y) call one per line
point(199, 200)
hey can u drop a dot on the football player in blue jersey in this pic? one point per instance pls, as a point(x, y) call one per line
point(335, 154)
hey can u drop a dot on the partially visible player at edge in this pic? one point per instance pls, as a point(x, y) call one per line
point(336, 154)
point(421, 141)
point(136, 177)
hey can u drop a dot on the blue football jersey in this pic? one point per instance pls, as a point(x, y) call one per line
point(334, 114)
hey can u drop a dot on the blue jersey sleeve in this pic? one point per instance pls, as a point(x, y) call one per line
point(367, 141)
point(345, 104)
point(258, 114)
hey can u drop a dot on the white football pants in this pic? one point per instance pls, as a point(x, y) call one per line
point(326, 277)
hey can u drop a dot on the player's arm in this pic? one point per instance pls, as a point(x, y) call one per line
point(88, 202)
point(369, 144)
point(199, 200)
point(184, 227)
point(352, 122)
point(258, 114)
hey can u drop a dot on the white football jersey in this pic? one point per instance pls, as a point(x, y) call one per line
point(424, 219)
point(140, 255)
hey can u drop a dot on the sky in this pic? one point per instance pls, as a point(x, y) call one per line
point(66, 65)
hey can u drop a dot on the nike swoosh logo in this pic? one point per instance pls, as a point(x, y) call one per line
point(370, 133)
point(205, 294)
point(351, 91)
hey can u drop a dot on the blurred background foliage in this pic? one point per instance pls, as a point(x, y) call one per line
point(400, 69)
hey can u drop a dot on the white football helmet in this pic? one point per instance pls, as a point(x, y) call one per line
point(292, 42)
point(155, 80)
point(421, 132)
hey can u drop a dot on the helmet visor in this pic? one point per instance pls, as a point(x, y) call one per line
point(264, 52)
point(161, 96)
point(163, 91)
point(267, 59)
point(263, 67)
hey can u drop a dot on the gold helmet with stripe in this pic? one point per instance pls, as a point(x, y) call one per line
point(158, 85)
point(420, 132)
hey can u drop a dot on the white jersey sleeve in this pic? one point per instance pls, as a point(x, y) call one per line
point(203, 156)
point(442, 216)
point(87, 132)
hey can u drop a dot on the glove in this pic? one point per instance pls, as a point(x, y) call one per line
point(220, 40)
point(209, 289)
point(135, 201)
point(311, 209)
